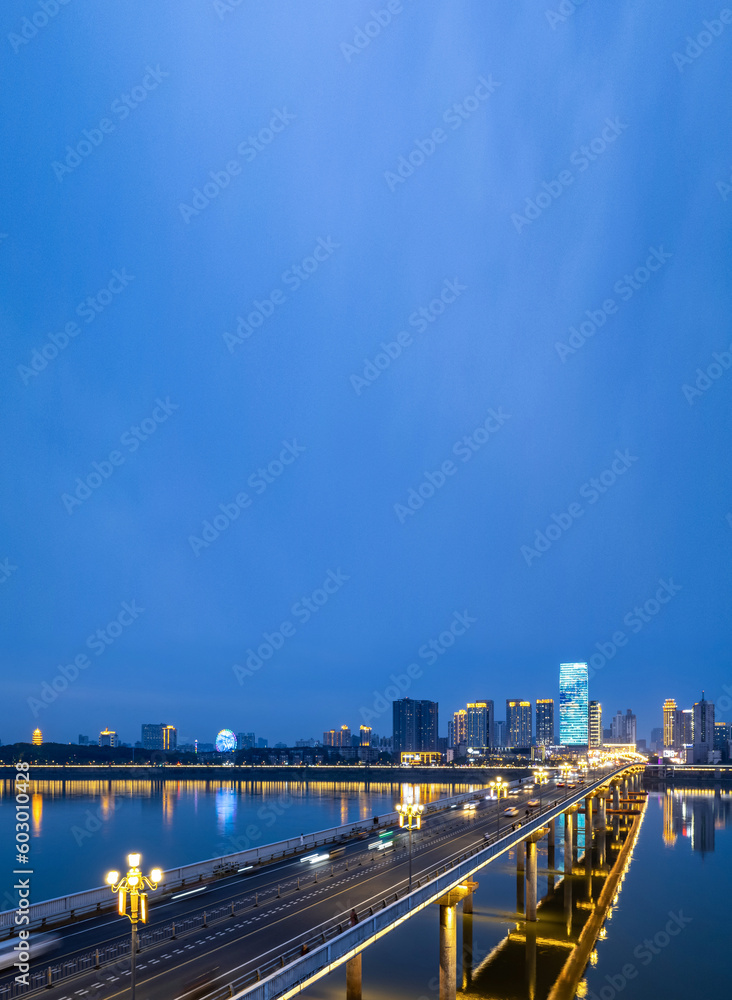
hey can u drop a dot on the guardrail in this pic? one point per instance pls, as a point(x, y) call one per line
point(99, 900)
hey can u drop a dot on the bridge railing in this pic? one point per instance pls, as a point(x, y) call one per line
point(99, 899)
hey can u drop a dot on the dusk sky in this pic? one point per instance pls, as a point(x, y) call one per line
point(318, 325)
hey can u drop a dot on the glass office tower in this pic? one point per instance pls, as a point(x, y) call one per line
point(573, 704)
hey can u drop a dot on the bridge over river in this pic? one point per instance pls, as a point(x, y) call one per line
point(271, 925)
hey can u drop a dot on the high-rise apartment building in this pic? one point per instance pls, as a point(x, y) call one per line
point(703, 731)
point(544, 722)
point(623, 728)
point(364, 734)
point(337, 737)
point(108, 738)
point(480, 718)
point(415, 725)
point(594, 722)
point(158, 736)
point(457, 728)
point(573, 704)
point(670, 724)
point(499, 732)
point(518, 722)
point(245, 741)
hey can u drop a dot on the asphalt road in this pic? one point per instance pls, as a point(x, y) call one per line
point(229, 947)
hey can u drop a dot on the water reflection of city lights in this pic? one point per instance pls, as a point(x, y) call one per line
point(225, 810)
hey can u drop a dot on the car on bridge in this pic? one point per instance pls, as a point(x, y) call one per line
point(511, 811)
point(38, 944)
point(533, 803)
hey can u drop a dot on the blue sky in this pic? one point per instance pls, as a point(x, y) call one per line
point(407, 218)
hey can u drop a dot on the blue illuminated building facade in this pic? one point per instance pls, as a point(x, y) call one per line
point(573, 704)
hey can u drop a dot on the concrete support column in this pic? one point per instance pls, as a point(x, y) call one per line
point(467, 941)
point(448, 953)
point(520, 872)
point(353, 978)
point(616, 796)
point(550, 853)
point(568, 838)
point(531, 879)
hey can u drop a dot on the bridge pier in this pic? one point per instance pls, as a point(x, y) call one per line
point(448, 948)
point(588, 834)
point(353, 978)
point(448, 937)
point(616, 795)
point(520, 880)
point(568, 841)
point(531, 873)
point(467, 940)
point(550, 858)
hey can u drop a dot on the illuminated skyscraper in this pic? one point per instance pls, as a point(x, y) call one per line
point(365, 736)
point(415, 725)
point(703, 729)
point(544, 721)
point(595, 724)
point(573, 704)
point(458, 728)
point(670, 735)
point(518, 723)
point(480, 724)
point(108, 738)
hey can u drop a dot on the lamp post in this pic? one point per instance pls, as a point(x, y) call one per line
point(410, 815)
point(499, 786)
point(131, 885)
point(541, 776)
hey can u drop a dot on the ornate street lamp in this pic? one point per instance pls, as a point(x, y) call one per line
point(131, 886)
point(410, 815)
point(499, 787)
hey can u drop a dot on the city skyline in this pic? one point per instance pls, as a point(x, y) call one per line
point(444, 720)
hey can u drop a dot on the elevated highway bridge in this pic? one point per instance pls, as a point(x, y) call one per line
point(269, 930)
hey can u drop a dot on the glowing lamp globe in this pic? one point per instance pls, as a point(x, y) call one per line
point(225, 741)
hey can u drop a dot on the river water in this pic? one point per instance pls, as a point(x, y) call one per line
point(82, 829)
